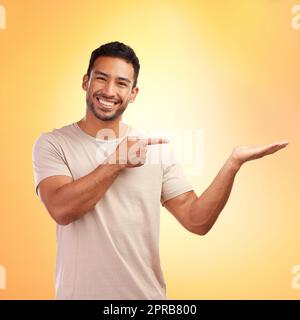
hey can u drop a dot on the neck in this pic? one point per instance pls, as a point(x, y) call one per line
point(92, 125)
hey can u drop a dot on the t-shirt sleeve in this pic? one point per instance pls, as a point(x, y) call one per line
point(174, 181)
point(48, 159)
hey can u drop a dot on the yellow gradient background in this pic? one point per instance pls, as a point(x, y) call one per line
point(231, 68)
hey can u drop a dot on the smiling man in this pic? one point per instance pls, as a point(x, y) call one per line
point(96, 181)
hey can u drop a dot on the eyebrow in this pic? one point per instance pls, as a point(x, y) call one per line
point(107, 75)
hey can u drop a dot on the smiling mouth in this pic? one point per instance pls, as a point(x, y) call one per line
point(106, 102)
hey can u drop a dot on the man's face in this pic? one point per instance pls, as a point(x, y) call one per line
point(109, 87)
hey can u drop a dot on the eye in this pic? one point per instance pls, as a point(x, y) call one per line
point(100, 78)
point(123, 84)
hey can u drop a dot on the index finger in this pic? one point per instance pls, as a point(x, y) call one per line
point(151, 141)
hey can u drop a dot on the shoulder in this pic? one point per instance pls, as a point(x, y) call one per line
point(52, 138)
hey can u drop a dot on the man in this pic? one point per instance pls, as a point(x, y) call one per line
point(94, 179)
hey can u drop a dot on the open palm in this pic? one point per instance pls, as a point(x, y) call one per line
point(244, 153)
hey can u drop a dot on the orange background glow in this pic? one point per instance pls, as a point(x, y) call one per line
point(231, 68)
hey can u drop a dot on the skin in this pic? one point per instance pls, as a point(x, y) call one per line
point(110, 88)
point(68, 200)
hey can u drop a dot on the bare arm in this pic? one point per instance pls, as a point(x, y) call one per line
point(67, 200)
point(198, 214)
point(205, 210)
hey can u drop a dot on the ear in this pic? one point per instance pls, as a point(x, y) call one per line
point(133, 94)
point(85, 82)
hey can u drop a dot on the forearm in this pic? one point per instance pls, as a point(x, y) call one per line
point(75, 199)
point(206, 209)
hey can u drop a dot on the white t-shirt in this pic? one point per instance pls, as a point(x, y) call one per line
point(112, 252)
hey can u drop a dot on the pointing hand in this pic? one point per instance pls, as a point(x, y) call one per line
point(132, 151)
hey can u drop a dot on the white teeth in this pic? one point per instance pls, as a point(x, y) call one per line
point(106, 103)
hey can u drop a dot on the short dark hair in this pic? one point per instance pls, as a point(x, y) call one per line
point(119, 50)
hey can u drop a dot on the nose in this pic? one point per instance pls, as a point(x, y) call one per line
point(108, 89)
